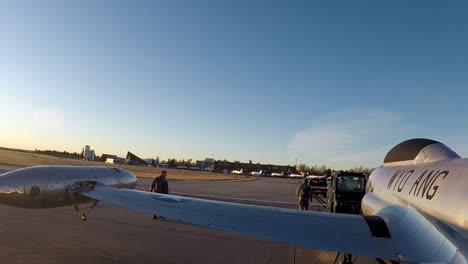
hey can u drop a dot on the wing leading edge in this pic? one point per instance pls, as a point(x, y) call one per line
point(335, 232)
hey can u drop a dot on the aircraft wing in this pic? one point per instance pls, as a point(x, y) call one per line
point(364, 236)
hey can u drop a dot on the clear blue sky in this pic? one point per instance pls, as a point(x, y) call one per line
point(335, 82)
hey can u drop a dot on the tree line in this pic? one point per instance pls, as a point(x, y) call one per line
point(175, 162)
point(322, 169)
point(61, 154)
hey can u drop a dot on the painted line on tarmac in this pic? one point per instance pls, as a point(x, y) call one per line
point(321, 201)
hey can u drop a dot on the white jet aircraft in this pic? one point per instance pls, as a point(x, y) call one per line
point(257, 173)
point(415, 208)
point(238, 172)
point(277, 174)
point(295, 175)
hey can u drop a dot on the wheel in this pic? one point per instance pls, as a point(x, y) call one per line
point(83, 217)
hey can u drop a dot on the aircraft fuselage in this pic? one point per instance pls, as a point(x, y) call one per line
point(439, 190)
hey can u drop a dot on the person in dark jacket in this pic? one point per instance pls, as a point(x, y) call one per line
point(160, 185)
point(303, 193)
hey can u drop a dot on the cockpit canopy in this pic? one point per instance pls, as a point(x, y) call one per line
point(418, 151)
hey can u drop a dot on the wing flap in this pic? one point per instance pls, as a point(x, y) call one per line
point(334, 232)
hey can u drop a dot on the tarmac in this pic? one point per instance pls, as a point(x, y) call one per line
point(118, 235)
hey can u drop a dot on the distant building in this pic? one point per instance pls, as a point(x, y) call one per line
point(150, 162)
point(115, 160)
point(87, 153)
point(105, 157)
point(133, 159)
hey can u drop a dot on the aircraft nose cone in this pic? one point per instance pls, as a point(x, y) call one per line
point(11, 190)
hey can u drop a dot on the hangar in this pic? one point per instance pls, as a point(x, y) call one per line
point(133, 159)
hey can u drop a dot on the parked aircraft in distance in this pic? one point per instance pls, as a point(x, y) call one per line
point(316, 176)
point(296, 175)
point(257, 173)
point(415, 208)
point(277, 174)
point(238, 172)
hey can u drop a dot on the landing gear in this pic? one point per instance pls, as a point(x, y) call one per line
point(336, 258)
point(85, 213)
point(347, 258)
point(73, 190)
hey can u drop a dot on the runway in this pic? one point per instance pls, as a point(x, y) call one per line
point(118, 235)
point(5, 168)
